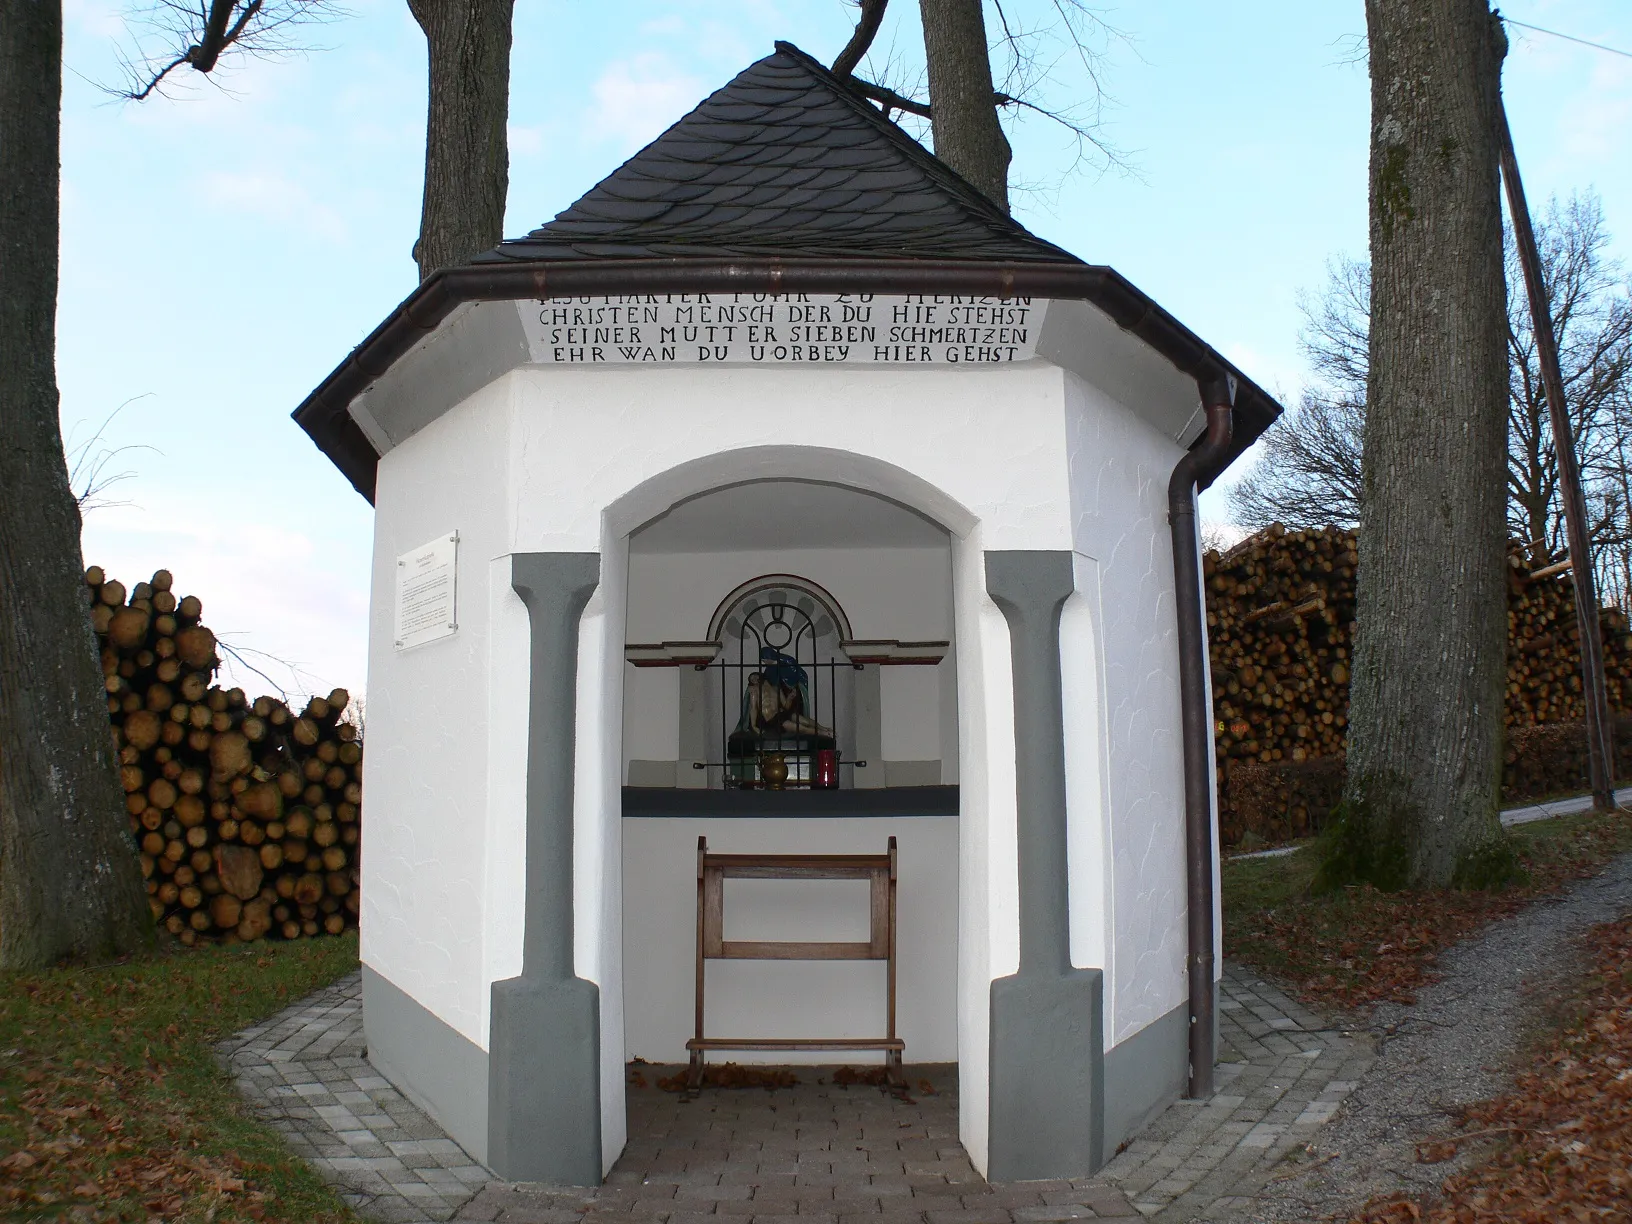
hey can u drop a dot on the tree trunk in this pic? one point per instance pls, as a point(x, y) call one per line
point(467, 156)
point(70, 887)
point(1425, 728)
point(968, 135)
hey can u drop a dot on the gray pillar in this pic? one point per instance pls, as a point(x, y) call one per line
point(1047, 1116)
point(544, 1093)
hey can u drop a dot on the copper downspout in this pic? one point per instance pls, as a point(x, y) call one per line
point(1196, 470)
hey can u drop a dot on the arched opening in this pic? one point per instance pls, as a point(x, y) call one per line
point(785, 701)
point(857, 589)
point(809, 620)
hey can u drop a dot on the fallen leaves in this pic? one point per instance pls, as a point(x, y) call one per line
point(1357, 947)
point(113, 1108)
point(1569, 1115)
point(75, 1147)
point(733, 1075)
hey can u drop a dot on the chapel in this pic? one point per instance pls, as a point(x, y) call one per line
point(785, 502)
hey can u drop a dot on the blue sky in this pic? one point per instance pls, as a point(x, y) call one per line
point(223, 250)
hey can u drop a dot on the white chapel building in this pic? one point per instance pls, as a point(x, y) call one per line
point(784, 491)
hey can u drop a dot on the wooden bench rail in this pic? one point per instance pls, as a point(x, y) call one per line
point(712, 872)
point(796, 1043)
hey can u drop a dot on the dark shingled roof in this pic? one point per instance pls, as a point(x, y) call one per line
point(785, 160)
point(785, 181)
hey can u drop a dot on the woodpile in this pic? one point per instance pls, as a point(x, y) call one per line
point(246, 814)
point(1280, 623)
point(1280, 631)
point(1544, 650)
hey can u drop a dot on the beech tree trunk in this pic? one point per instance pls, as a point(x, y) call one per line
point(467, 153)
point(70, 886)
point(968, 135)
point(1425, 719)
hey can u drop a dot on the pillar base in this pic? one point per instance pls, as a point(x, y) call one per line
point(544, 1082)
point(1048, 1077)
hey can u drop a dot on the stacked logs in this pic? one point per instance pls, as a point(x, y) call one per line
point(1544, 650)
point(1280, 629)
point(246, 815)
point(1280, 623)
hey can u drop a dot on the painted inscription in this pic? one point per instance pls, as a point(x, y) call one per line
point(790, 329)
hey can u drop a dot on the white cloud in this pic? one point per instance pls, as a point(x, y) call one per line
point(102, 18)
point(637, 98)
point(526, 140)
point(1602, 114)
point(1280, 380)
point(280, 597)
point(672, 24)
point(274, 197)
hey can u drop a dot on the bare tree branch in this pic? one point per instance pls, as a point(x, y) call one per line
point(872, 16)
point(197, 33)
point(1033, 56)
point(88, 462)
point(1308, 471)
point(889, 99)
point(1027, 62)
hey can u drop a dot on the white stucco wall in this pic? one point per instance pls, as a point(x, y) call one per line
point(988, 866)
point(425, 880)
point(1025, 457)
point(790, 998)
point(1135, 920)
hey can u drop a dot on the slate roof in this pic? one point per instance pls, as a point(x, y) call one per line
point(784, 161)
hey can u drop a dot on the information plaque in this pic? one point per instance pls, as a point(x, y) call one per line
point(425, 592)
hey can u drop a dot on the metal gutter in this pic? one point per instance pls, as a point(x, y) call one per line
point(1195, 471)
point(325, 417)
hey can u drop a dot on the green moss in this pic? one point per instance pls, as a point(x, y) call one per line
point(1360, 846)
point(1393, 192)
point(1492, 865)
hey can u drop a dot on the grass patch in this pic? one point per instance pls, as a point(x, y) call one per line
point(1355, 946)
point(113, 1107)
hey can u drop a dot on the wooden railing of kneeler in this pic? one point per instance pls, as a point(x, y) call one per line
point(712, 872)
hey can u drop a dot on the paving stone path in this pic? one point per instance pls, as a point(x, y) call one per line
point(815, 1153)
point(1281, 1076)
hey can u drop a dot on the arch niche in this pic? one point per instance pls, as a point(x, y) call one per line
point(943, 908)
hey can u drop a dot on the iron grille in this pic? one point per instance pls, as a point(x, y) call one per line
point(779, 697)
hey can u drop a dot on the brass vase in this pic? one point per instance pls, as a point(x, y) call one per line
point(773, 770)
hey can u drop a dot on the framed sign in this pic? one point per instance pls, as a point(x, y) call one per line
point(426, 608)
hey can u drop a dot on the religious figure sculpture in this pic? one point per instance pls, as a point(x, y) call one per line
point(775, 698)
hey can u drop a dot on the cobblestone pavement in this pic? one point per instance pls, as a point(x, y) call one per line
point(815, 1153)
point(1281, 1075)
point(304, 1072)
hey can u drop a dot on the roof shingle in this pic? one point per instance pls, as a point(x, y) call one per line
point(784, 161)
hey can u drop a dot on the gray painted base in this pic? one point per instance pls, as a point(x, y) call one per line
point(1144, 1074)
point(1048, 1081)
point(440, 1070)
point(544, 1118)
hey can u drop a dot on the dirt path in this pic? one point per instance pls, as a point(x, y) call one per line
point(1457, 1044)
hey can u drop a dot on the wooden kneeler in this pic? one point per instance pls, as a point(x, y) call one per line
point(712, 872)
